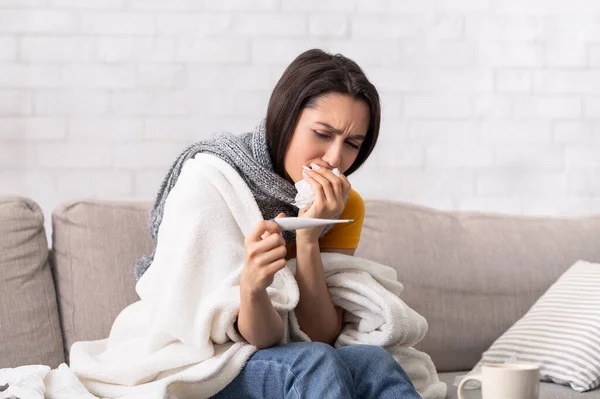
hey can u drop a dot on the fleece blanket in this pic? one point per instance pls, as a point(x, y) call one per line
point(179, 340)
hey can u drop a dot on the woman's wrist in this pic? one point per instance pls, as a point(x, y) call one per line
point(307, 237)
point(252, 294)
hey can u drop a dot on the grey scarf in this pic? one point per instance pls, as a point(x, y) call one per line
point(249, 155)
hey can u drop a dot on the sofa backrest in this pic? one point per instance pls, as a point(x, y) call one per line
point(472, 275)
point(29, 325)
point(95, 245)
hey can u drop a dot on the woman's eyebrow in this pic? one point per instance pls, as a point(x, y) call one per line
point(338, 132)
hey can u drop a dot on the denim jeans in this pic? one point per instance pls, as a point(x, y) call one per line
point(317, 370)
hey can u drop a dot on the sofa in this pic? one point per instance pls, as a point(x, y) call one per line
point(471, 274)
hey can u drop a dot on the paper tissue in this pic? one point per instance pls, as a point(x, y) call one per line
point(306, 194)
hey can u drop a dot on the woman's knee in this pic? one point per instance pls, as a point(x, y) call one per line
point(319, 363)
point(371, 353)
point(322, 350)
point(300, 352)
point(317, 352)
point(376, 373)
point(361, 357)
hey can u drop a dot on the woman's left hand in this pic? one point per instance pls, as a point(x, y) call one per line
point(331, 193)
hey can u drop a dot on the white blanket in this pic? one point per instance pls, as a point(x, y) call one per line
point(178, 340)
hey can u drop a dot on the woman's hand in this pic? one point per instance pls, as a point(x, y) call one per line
point(265, 255)
point(258, 321)
point(331, 193)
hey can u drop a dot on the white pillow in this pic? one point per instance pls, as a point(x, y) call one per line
point(560, 333)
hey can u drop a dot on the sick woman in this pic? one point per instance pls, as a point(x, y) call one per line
point(321, 125)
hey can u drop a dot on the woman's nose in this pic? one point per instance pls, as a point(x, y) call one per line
point(333, 157)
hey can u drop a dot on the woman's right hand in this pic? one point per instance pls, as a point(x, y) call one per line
point(265, 255)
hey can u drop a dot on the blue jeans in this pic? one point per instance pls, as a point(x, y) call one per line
point(317, 370)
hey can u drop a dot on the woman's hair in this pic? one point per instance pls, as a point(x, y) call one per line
point(311, 75)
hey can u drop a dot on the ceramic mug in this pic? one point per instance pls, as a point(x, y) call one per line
point(506, 381)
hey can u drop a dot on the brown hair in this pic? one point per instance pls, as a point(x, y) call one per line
point(311, 75)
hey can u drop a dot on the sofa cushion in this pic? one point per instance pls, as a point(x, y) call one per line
point(29, 323)
point(95, 245)
point(471, 274)
point(548, 390)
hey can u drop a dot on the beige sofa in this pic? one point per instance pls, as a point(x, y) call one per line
point(472, 275)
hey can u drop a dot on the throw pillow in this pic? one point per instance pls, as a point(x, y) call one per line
point(560, 333)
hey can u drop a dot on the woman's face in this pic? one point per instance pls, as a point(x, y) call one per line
point(328, 134)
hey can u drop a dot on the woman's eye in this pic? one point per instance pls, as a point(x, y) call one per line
point(326, 137)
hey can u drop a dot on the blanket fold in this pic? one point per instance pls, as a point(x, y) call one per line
point(178, 340)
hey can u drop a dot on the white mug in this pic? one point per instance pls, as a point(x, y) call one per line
point(506, 381)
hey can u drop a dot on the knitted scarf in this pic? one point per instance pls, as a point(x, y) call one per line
point(248, 154)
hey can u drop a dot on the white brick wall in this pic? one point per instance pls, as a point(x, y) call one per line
point(490, 105)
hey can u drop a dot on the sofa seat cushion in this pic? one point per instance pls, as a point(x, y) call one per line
point(29, 322)
point(95, 245)
point(548, 390)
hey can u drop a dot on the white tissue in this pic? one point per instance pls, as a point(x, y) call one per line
point(24, 382)
point(306, 194)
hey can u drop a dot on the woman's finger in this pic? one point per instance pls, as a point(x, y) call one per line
point(270, 242)
point(260, 229)
point(336, 181)
point(272, 255)
point(317, 188)
point(275, 266)
point(324, 183)
point(346, 186)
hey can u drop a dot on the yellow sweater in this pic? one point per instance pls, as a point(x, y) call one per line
point(344, 235)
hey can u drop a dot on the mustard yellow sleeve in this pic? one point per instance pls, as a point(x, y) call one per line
point(347, 235)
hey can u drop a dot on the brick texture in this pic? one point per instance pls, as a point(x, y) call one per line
point(491, 105)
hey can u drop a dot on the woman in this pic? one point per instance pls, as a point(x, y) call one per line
point(323, 115)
